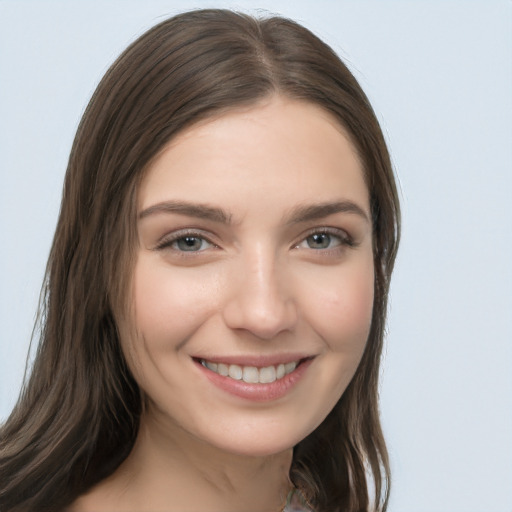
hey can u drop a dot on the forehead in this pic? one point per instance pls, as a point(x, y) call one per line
point(282, 151)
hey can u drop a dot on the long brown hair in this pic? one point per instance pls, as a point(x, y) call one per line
point(78, 413)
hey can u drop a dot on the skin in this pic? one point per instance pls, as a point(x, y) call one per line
point(258, 284)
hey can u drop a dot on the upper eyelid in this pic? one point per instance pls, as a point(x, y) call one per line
point(323, 229)
point(178, 233)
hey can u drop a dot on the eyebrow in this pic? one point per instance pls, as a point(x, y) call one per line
point(301, 213)
point(305, 213)
point(198, 210)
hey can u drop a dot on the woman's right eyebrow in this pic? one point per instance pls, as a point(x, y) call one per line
point(198, 210)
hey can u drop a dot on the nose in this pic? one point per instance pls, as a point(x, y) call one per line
point(259, 298)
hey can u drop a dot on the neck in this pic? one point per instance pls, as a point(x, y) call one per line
point(169, 469)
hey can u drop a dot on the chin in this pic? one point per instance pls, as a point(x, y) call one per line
point(261, 441)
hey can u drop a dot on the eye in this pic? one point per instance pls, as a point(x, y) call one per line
point(325, 239)
point(322, 241)
point(190, 244)
point(185, 242)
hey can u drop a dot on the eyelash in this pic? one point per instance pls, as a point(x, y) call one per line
point(345, 240)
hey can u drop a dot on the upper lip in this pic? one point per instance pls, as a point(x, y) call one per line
point(259, 361)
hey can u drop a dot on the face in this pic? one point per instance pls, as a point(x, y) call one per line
point(253, 285)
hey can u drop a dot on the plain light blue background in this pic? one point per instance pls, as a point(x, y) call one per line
point(439, 74)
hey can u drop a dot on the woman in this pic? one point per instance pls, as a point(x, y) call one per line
point(216, 291)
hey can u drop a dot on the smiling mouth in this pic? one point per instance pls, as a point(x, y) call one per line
point(252, 374)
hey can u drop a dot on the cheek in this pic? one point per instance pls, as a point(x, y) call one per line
point(341, 310)
point(168, 306)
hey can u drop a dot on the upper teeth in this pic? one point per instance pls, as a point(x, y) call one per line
point(251, 374)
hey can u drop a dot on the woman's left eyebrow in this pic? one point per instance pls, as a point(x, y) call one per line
point(305, 213)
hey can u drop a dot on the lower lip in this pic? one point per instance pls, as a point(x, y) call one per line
point(257, 392)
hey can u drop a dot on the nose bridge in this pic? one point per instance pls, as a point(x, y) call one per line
point(262, 279)
point(261, 301)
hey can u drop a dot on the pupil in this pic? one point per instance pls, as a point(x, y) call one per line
point(188, 243)
point(319, 241)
